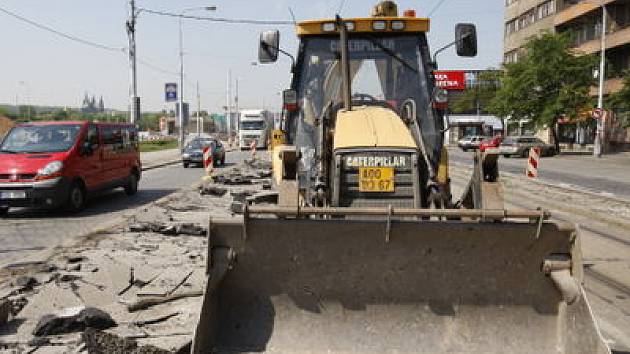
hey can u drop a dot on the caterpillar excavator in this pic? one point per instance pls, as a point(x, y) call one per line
point(365, 251)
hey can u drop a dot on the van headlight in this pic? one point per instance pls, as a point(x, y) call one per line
point(52, 169)
point(185, 155)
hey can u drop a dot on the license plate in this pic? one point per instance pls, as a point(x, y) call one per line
point(376, 179)
point(12, 194)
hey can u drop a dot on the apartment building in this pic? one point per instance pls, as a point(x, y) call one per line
point(584, 19)
point(523, 19)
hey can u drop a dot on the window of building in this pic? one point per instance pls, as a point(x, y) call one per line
point(510, 27)
point(546, 9)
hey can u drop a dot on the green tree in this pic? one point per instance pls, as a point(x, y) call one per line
point(620, 101)
point(60, 115)
point(550, 82)
point(478, 97)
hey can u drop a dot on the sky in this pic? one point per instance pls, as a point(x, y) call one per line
point(41, 68)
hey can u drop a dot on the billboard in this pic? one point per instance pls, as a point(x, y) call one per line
point(450, 80)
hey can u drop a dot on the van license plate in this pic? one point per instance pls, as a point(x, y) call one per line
point(376, 179)
point(12, 194)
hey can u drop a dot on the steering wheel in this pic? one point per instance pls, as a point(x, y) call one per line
point(363, 97)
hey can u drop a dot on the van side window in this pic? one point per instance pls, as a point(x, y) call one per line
point(92, 136)
point(130, 138)
point(112, 138)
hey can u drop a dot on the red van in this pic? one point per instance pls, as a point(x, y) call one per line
point(55, 164)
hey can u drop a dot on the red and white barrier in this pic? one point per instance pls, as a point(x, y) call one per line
point(207, 160)
point(532, 162)
point(252, 146)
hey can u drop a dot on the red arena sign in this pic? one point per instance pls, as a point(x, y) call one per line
point(451, 80)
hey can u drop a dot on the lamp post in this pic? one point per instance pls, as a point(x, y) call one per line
point(182, 135)
point(599, 134)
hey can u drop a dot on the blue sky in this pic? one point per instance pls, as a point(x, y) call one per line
point(45, 69)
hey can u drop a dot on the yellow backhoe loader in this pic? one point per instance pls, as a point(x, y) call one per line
point(365, 251)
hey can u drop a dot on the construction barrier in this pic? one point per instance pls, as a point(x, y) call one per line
point(532, 162)
point(252, 146)
point(207, 160)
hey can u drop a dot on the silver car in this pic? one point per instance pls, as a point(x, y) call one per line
point(520, 145)
point(470, 142)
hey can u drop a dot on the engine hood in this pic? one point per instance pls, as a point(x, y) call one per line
point(27, 163)
point(371, 127)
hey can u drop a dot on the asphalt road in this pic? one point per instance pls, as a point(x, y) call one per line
point(25, 231)
point(608, 176)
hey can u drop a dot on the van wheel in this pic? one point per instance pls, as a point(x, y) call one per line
point(525, 153)
point(185, 164)
point(4, 211)
point(131, 187)
point(76, 198)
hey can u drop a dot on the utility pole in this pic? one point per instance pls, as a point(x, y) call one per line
point(182, 135)
point(229, 105)
point(599, 135)
point(199, 120)
point(238, 116)
point(134, 104)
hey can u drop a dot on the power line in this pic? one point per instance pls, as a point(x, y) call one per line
point(341, 5)
point(217, 19)
point(436, 7)
point(62, 34)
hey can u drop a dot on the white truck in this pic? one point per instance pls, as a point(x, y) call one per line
point(254, 125)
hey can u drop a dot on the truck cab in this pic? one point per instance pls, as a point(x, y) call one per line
point(254, 126)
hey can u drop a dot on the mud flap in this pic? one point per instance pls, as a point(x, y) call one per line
point(342, 286)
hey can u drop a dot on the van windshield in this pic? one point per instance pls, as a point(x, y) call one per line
point(40, 138)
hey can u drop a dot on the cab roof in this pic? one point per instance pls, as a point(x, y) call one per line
point(385, 24)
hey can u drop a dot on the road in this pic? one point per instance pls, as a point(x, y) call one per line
point(606, 176)
point(25, 232)
point(602, 225)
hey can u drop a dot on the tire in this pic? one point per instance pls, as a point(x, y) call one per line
point(4, 211)
point(76, 198)
point(525, 153)
point(131, 187)
point(185, 164)
point(465, 150)
point(507, 156)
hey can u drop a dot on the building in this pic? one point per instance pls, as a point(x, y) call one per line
point(583, 18)
point(471, 117)
point(524, 19)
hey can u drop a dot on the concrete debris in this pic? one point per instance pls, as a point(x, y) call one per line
point(74, 267)
point(99, 342)
point(155, 320)
point(5, 311)
point(147, 302)
point(39, 342)
point(241, 196)
point(266, 184)
point(208, 189)
point(258, 164)
point(26, 282)
point(73, 320)
point(75, 258)
point(237, 207)
point(263, 198)
point(17, 304)
point(169, 229)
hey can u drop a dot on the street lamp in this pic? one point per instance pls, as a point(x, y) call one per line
point(599, 135)
point(181, 68)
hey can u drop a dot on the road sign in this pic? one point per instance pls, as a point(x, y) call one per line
point(170, 92)
point(598, 113)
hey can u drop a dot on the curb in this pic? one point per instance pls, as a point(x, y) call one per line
point(557, 186)
point(162, 164)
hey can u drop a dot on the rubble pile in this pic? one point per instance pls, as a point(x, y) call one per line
point(135, 288)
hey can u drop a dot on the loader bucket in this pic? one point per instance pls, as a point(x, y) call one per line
point(367, 286)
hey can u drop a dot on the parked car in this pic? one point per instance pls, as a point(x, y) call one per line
point(470, 142)
point(520, 145)
point(58, 164)
point(193, 151)
point(491, 143)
